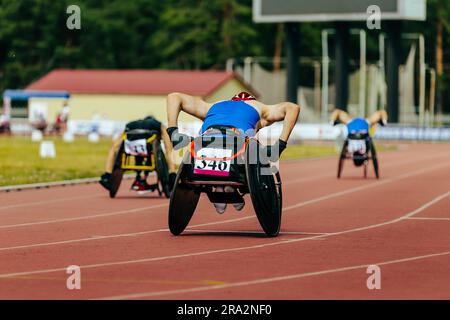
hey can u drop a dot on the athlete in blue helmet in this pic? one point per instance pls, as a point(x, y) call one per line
point(242, 113)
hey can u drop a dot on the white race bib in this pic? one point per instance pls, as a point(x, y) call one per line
point(215, 167)
point(136, 147)
point(357, 146)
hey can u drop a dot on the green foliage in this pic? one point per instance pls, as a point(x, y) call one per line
point(187, 34)
point(198, 34)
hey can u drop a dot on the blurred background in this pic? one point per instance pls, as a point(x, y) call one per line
point(89, 66)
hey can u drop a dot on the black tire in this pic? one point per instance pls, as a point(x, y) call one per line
point(265, 192)
point(373, 153)
point(162, 170)
point(342, 157)
point(365, 169)
point(117, 174)
point(183, 202)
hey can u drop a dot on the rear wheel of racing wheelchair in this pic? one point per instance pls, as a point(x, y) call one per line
point(373, 154)
point(162, 170)
point(117, 173)
point(183, 200)
point(342, 158)
point(265, 190)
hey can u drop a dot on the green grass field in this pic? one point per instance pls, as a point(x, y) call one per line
point(20, 162)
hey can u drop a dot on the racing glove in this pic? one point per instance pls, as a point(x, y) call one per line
point(274, 151)
point(179, 140)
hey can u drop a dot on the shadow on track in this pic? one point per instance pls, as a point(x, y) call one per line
point(240, 233)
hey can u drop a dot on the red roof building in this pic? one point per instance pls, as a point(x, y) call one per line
point(131, 82)
point(130, 94)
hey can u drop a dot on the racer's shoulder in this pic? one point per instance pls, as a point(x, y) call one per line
point(260, 106)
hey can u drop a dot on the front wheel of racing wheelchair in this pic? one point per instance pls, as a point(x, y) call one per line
point(361, 150)
point(152, 159)
point(247, 173)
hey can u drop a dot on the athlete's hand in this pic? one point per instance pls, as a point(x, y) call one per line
point(179, 140)
point(274, 151)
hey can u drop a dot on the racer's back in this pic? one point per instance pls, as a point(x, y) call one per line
point(148, 123)
point(236, 114)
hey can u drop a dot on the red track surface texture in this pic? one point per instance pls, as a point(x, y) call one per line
point(331, 231)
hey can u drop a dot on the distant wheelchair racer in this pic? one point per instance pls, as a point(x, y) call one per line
point(140, 143)
point(359, 145)
point(214, 168)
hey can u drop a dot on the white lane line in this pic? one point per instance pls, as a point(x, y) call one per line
point(429, 218)
point(101, 215)
point(272, 279)
point(38, 203)
point(46, 244)
point(301, 204)
point(135, 234)
point(259, 246)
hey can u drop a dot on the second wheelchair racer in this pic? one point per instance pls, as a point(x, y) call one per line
point(140, 183)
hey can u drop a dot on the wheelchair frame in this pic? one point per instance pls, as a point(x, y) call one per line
point(126, 157)
point(369, 155)
point(157, 163)
point(265, 190)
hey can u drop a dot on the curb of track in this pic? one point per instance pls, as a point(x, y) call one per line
point(46, 185)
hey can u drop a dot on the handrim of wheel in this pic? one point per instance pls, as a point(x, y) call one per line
point(183, 202)
point(266, 196)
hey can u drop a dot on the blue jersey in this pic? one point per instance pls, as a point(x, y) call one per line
point(236, 114)
point(358, 125)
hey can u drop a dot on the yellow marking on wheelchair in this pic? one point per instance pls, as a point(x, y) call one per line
point(125, 164)
point(149, 140)
point(49, 278)
point(152, 138)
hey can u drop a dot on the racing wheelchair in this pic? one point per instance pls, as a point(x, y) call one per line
point(141, 150)
point(359, 147)
point(221, 158)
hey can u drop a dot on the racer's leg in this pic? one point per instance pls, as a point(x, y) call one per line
point(220, 207)
point(380, 117)
point(105, 179)
point(340, 116)
point(112, 154)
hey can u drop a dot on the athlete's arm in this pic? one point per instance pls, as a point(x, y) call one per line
point(287, 112)
point(177, 102)
point(112, 154)
point(169, 149)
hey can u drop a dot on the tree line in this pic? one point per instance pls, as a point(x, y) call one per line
point(170, 34)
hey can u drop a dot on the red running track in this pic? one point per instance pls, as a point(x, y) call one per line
point(331, 231)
